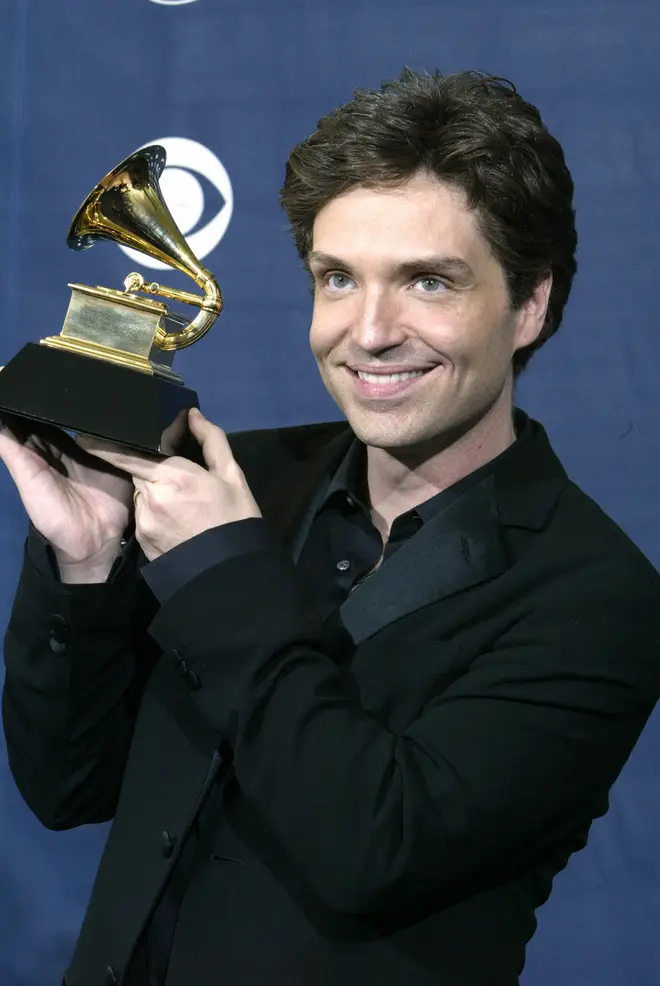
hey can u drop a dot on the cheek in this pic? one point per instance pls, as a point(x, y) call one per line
point(443, 331)
point(324, 332)
point(471, 336)
point(317, 340)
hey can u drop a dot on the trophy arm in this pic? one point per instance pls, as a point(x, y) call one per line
point(210, 307)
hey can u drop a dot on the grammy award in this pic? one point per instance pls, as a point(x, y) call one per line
point(109, 372)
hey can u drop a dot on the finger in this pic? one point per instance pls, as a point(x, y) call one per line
point(13, 442)
point(10, 453)
point(25, 451)
point(174, 433)
point(24, 460)
point(138, 490)
point(35, 434)
point(140, 466)
point(215, 447)
point(8, 439)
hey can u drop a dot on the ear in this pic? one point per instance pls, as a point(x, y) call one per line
point(531, 315)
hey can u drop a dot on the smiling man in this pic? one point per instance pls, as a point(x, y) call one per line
point(353, 693)
point(415, 345)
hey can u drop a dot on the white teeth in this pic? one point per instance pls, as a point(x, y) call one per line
point(388, 377)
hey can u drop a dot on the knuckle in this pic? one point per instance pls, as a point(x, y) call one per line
point(145, 530)
point(232, 471)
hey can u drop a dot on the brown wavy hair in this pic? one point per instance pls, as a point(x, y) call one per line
point(473, 131)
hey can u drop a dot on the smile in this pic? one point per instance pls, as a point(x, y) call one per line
point(385, 385)
point(389, 377)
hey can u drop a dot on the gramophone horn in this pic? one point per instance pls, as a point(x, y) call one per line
point(128, 207)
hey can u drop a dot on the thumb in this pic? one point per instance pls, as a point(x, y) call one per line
point(215, 447)
point(21, 457)
point(9, 446)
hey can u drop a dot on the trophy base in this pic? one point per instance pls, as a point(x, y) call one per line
point(66, 390)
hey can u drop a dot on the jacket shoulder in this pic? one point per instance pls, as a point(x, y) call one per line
point(263, 453)
point(591, 538)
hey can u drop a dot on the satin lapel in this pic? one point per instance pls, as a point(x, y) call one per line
point(459, 547)
point(290, 506)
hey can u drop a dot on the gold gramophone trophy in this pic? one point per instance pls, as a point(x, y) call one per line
point(109, 371)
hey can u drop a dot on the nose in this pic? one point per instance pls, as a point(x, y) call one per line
point(376, 325)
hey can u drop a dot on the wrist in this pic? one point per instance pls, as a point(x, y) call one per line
point(96, 568)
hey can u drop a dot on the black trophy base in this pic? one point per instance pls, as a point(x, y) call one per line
point(94, 397)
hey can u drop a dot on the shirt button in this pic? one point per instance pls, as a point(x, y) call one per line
point(59, 631)
point(343, 565)
point(193, 681)
point(167, 844)
point(180, 666)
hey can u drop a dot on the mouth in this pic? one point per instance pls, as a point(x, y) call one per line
point(383, 383)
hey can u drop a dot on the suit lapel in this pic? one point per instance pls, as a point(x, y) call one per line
point(457, 548)
point(289, 507)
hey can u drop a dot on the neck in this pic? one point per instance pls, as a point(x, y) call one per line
point(401, 479)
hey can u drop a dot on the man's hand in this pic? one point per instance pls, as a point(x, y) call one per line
point(176, 499)
point(80, 505)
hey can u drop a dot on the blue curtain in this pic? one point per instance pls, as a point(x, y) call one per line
point(229, 87)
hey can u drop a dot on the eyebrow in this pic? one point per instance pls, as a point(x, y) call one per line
point(451, 266)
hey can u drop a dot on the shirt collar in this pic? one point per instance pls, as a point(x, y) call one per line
point(348, 482)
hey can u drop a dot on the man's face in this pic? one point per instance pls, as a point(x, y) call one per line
point(412, 328)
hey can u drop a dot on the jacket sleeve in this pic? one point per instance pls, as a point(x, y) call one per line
point(76, 659)
point(511, 759)
point(179, 565)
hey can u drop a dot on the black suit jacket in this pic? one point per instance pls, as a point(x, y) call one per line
point(399, 785)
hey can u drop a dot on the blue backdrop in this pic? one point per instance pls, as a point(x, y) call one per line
point(229, 86)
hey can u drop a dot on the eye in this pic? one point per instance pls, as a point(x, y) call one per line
point(431, 284)
point(337, 281)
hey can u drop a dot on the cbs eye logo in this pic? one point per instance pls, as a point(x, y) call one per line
point(187, 200)
point(172, 3)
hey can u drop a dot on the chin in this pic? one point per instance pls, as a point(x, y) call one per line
point(420, 435)
point(389, 434)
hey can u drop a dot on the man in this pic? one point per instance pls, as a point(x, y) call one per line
point(354, 693)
